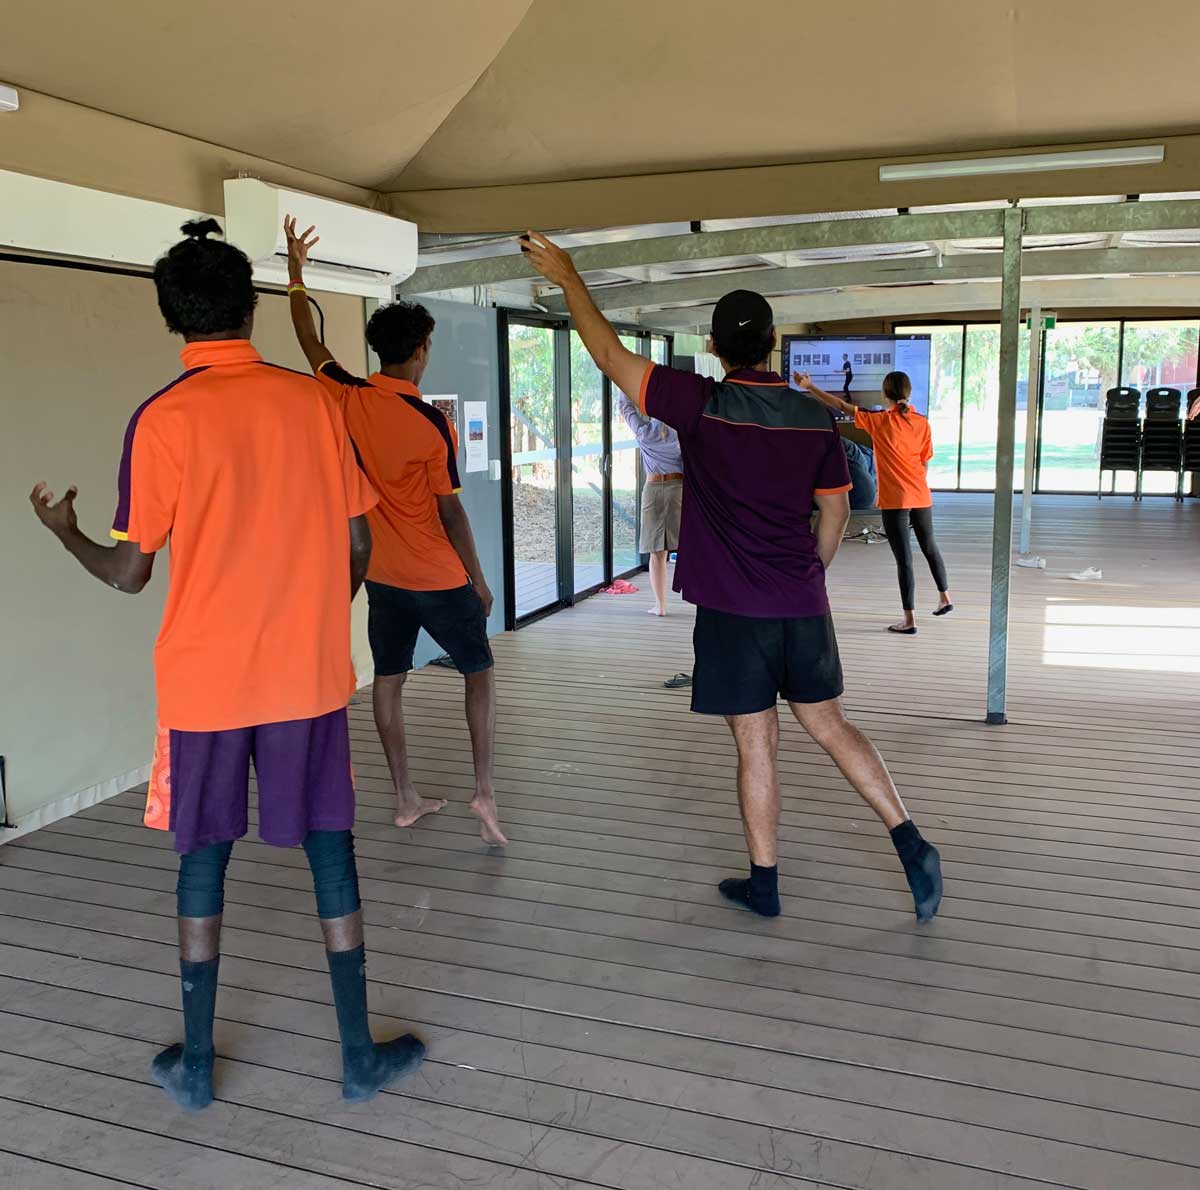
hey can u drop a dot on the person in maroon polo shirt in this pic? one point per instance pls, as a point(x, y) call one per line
point(759, 457)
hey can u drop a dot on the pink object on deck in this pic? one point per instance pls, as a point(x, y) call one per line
point(620, 587)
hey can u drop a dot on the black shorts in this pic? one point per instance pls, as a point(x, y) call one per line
point(745, 664)
point(453, 618)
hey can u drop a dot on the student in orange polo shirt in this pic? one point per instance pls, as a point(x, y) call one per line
point(247, 470)
point(903, 448)
point(425, 571)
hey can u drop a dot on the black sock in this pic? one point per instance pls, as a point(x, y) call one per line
point(366, 1067)
point(185, 1071)
point(760, 892)
point(922, 867)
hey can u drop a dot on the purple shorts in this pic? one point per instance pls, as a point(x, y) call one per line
point(200, 782)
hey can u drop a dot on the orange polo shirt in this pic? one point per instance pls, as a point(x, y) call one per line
point(903, 445)
point(247, 469)
point(409, 451)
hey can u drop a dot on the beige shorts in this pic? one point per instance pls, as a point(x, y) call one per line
point(661, 506)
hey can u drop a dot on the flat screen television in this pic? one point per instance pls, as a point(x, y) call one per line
point(853, 366)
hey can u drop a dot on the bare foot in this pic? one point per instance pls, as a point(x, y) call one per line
point(410, 816)
point(483, 806)
point(656, 611)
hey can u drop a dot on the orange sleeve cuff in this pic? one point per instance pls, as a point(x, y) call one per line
point(832, 491)
point(642, 388)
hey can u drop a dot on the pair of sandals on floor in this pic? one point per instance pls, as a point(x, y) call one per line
point(911, 629)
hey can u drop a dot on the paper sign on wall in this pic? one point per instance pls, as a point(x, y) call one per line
point(475, 416)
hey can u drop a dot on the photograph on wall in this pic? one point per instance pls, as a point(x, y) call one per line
point(448, 405)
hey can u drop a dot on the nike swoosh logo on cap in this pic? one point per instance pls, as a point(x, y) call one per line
point(746, 323)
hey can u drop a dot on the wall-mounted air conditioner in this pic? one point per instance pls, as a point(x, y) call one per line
point(361, 251)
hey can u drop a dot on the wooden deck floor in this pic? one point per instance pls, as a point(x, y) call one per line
point(597, 1017)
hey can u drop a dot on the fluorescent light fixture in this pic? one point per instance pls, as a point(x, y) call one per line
point(9, 100)
point(1028, 163)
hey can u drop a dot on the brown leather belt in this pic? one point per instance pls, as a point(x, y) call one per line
point(664, 478)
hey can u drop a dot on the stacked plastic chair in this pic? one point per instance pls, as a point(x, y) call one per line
point(1191, 440)
point(1162, 436)
point(1120, 435)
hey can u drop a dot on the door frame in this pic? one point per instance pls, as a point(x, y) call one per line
point(505, 320)
point(561, 329)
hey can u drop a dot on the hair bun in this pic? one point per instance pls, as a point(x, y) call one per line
point(197, 229)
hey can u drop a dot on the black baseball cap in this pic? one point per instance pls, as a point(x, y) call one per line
point(742, 313)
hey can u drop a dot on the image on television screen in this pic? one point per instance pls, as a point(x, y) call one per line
point(853, 366)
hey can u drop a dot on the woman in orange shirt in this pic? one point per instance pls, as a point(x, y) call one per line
point(903, 448)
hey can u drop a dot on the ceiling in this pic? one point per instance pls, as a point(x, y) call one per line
point(415, 96)
point(648, 88)
point(350, 91)
point(483, 117)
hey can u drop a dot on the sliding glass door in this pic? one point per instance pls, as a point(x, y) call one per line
point(1160, 354)
point(626, 488)
point(574, 475)
point(588, 465)
point(1081, 363)
point(534, 442)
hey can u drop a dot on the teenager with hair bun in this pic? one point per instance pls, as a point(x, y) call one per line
point(246, 470)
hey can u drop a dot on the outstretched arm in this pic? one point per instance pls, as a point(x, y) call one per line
point(314, 350)
point(458, 530)
point(804, 381)
point(625, 368)
point(635, 419)
point(123, 567)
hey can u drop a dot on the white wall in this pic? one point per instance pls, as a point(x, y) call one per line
point(79, 351)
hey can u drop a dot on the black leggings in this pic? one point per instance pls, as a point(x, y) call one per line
point(896, 522)
point(201, 888)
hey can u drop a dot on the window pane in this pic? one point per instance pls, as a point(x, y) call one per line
point(658, 350)
point(1080, 368)
point(1160, 355)
point(624, 486)
point(981, 397)
point(981, 405)
point(534, 454)
point(945, 393)
point(587, 482)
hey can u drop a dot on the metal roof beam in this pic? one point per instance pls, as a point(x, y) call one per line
point(891, 271)
point(831, 233)
point(1073, 219)
point(1130, 293)
point(707, 245)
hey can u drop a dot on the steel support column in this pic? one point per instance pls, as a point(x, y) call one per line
point(1031, 419)
point(1002, 515)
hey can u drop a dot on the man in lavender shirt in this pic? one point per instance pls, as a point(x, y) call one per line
point(662, 495)
point(759, 458)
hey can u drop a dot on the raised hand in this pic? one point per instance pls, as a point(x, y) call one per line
point(802, 380)
point(1194, 411)
point(298, 246)
point(549, 259)
point(59, 518)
